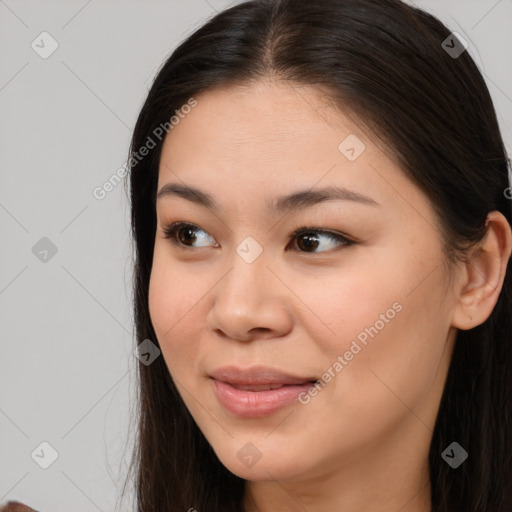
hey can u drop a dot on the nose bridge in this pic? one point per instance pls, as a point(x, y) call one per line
point(247, 268)
point(245, 300)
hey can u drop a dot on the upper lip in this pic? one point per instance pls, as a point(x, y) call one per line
point(257, 375)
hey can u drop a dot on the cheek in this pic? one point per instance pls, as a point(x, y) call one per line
point(174, 301)
point(341, 308)
point(393, 370)
point(379, 320)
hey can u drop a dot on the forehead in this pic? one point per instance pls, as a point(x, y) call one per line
point(264, 127)
point(261, 112)
point(268, 139)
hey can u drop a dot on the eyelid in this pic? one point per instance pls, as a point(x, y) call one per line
point(324, 231)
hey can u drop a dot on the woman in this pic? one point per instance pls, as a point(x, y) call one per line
point(323, 289)
point(323, 241)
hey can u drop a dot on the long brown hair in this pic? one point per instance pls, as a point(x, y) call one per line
point(386, 61)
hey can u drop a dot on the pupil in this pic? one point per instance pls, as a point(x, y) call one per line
point(184, 239)
point(310, 242)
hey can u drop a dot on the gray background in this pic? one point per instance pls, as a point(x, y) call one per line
point(67, 364)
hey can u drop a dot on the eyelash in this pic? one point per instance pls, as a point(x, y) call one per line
point(171, 230)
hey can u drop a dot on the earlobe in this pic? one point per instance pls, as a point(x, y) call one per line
point(484, 273)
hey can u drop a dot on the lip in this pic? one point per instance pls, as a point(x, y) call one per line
point(256, 403)
point(257, 375)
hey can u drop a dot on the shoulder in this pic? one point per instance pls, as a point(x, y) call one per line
point(15, 506)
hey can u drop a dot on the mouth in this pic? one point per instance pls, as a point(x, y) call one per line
point(259, 375)
point(257, 391)
point(266, 387)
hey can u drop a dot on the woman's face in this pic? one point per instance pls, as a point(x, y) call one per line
point(367, 316)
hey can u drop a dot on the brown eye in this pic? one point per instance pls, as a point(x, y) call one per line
point(185, 234)
point(309, 239)
point(307, 242)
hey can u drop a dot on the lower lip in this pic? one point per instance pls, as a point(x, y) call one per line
point(253, 404)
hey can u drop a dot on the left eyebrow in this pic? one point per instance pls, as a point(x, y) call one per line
point(307, 198)
point(287, 203)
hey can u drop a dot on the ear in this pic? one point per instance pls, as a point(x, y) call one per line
point(483, 273)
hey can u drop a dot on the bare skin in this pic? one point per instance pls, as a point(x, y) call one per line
point(361, 443)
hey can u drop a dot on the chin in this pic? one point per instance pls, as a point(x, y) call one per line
point(270, 467)
point(259, 472)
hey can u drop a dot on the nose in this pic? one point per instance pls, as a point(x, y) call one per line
point(250, 302)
